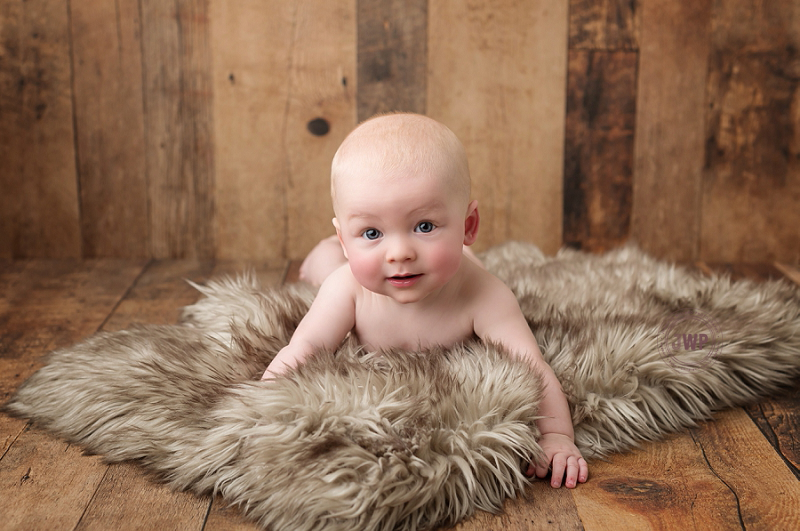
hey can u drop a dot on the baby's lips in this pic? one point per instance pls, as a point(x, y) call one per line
point(403, 281)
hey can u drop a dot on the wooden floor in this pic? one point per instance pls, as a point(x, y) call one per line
point(739, 472)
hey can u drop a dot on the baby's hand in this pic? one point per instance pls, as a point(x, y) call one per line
point(565, 457)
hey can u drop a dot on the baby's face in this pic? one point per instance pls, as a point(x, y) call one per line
point(402, 233)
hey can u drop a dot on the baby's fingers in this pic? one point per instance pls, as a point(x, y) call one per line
point(542, 468)
point(577, 471)
point(558, 467)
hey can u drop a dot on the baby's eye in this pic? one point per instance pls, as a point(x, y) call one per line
point(424, 226)
point(371, 234)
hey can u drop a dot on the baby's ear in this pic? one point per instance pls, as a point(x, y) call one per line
point(339, 235)
point(471, 223)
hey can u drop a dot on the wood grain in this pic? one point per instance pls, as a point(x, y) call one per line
point(756, 272)
point(665, 485)
point(250, 103)
point(159, 293)
point(126, 489)
point(792, 273)
point(224, 518)
point(604, 24)
point(109, 127)
point(39, 309)
point(46, 483)
point(39, 213)
point(725, 474)
point(155, 298)
point(767, 495)
point(598, 152)
point(392, 56)
point(265, 273)
point(779, 420)
point(751, 182)
point(322, 57)
point(53, 304)
point(777, 417)
point(541, 507)
point(668, 152)
point(506, 103)
point(178, 127)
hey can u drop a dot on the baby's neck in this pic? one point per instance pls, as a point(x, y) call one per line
point(441, 318)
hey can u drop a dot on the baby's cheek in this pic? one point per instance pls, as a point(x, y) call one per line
point(446, 261)
point(365, 271)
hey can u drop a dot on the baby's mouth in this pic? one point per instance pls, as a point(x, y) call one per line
point(403, 280)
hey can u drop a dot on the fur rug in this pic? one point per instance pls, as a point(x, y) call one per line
point(414, 440)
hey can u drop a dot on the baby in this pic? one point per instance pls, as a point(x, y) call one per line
point(401, 195)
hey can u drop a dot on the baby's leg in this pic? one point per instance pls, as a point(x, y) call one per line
point(323, 260)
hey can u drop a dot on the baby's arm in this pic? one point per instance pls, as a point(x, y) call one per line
point(502, 321)
point(331, 316)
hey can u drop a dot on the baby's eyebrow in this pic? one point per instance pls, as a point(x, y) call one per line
point(428, 209)
point(366, 217)
point(434, 207)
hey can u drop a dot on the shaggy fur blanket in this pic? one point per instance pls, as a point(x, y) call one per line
point(413, 440)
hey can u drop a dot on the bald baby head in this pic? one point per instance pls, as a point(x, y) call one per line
point(403, 146)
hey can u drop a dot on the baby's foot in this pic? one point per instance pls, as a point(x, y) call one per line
point(323, 260)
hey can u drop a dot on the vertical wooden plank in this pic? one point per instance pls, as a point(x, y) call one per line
point(392, 56)
point(751, 183)
point(601, 106)
point(604, 24)
point(178, 127)
point(39, 212)
point(497, 78)
point(109, 127)
point(320, 112)
point(251, 43)
point(280, 115)
point(598, 155)
point(668, 152)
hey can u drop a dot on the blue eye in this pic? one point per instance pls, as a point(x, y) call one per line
point(424, 226)
point(371, 234)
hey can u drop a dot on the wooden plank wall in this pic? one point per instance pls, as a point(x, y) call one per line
point(204, 128)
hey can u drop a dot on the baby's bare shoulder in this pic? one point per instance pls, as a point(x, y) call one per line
point(340, 283)
point(491, 298)
point(484, 284)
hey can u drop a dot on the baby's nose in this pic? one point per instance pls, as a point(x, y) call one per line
point(400, 250)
